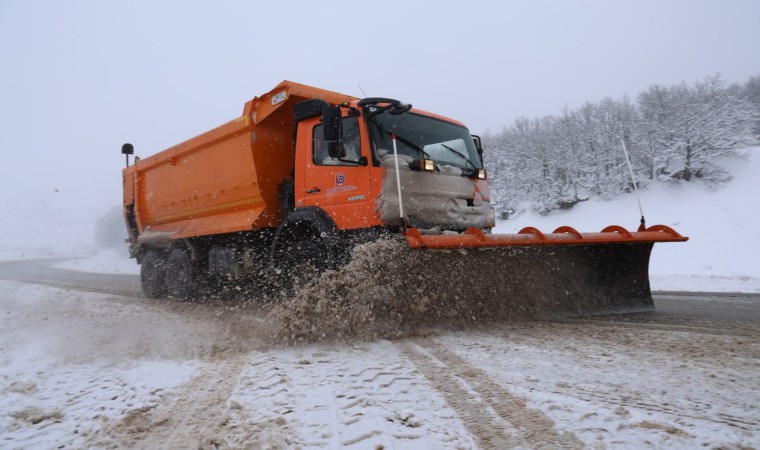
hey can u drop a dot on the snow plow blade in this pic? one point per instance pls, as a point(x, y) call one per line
point(568, 272)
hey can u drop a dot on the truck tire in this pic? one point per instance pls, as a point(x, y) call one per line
point(301, 263)
point(152, 275)
point(179, 275)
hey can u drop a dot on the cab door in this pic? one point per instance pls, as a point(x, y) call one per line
point(339, 186)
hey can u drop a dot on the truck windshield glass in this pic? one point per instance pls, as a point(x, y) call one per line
point(421, 136)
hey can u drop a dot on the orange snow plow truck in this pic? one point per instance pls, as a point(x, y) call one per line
point(306, 174)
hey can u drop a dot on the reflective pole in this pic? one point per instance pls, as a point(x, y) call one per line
point(398, 181)
point(635, 186)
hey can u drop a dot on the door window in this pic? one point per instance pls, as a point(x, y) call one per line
point(351, 143)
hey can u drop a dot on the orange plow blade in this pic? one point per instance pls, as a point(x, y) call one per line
point(473, 237)
point(565, 271)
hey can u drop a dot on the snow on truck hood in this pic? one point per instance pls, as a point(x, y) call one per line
point(432, 199)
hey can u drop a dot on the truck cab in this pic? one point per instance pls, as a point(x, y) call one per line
point(352, 158)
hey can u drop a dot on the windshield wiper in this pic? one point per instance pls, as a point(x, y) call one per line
point(411, 145)
point(466, 159)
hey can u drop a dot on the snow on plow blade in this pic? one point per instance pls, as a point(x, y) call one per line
point(566, 271)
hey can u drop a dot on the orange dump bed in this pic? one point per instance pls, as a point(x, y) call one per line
point(225, 180)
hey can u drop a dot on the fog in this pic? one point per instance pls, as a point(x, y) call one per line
point(80, 78)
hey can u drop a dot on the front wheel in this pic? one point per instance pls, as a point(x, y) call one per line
point(302, 262)
point(179, 275)
point(152, 274)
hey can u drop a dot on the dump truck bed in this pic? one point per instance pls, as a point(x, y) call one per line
point(225, 180)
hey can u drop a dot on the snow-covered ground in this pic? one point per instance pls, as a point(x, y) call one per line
point(98, 371)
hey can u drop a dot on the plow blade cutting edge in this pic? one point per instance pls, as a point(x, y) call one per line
point(554, 274)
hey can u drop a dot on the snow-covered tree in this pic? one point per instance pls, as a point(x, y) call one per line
point(672, 132)
point(693, 126)
point(751, 93)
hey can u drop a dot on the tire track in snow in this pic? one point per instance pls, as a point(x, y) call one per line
point(496, 417)
point(697, 365)
point(193, 417)
point(262, 406)
point(627, 400)
point(369, 397)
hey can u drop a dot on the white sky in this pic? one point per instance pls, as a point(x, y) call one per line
point(79, 78)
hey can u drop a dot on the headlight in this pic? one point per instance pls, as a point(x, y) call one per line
point(481, 174)
point(427, 165)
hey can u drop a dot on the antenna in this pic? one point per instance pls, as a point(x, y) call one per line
point(643, 225)
point(363, 93)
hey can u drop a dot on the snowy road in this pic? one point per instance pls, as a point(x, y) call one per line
point(85, 362)
point(43, 271)
point(739, 306)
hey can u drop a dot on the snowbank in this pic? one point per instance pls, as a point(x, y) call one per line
point(721, 254)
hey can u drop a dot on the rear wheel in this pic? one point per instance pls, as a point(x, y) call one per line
point(152, 274)
point(179, 275)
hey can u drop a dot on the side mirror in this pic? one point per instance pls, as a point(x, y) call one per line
point(476, 141)
point(478, 146)
point(332, 123)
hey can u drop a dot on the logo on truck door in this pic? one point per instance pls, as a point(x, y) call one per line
point(340, 179)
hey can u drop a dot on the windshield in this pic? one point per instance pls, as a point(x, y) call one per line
point(421, 137)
